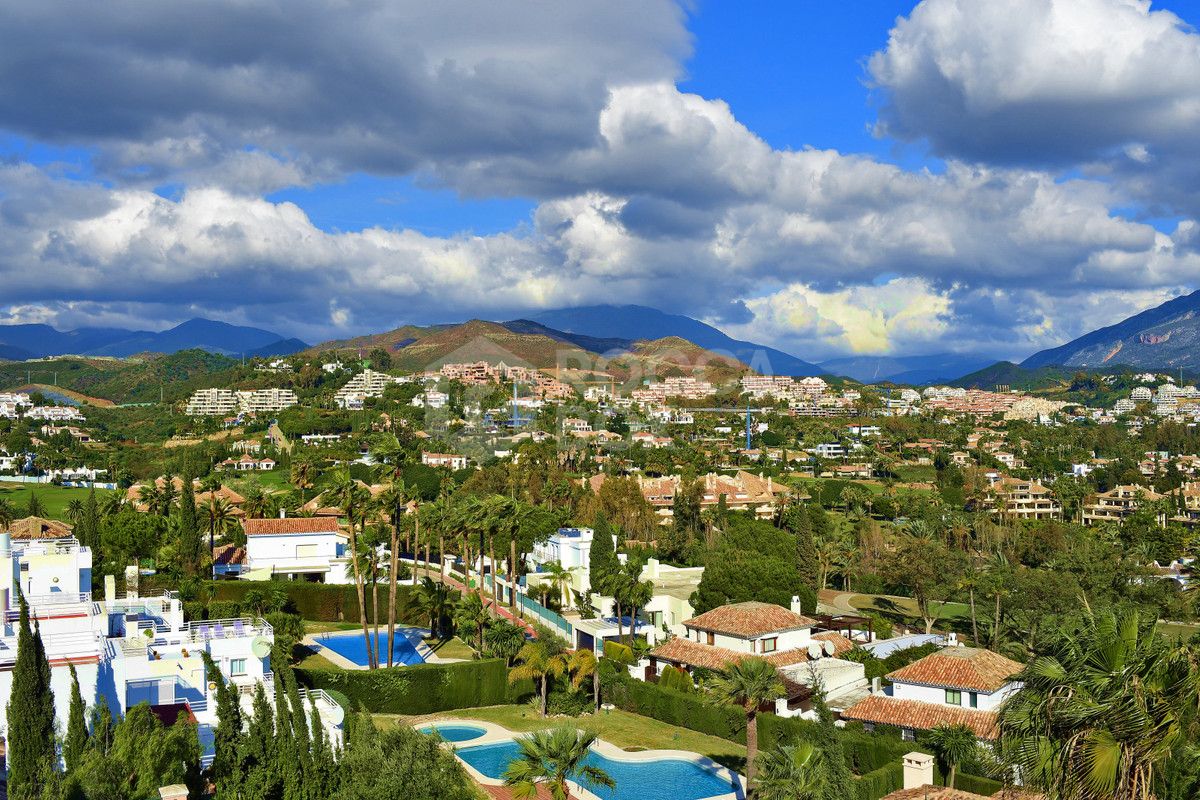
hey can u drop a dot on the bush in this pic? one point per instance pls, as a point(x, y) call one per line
point(418, 689)
point(690, 710)
point(318, 601)
point(977, 784)
point(618, 653)
point(674, 678)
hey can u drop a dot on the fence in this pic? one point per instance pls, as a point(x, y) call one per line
point(554, 621)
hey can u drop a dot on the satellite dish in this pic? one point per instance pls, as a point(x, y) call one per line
point(828, 647)
point(336, 714)
point(261, 647)
point(814, 650)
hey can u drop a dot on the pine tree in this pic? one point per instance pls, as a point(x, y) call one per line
point(31, 755)
point(35, 507)
point(190, 537)
point(602, 559)
point(76, 740)
point(797, 520)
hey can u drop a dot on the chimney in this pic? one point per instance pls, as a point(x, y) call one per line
point(176, 791)
point(282, 513)
point(110, 588)
point(918, 770)
point(876, 685)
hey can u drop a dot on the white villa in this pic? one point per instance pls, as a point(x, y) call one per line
point(956, 685)
point(313, 548)
point(128, 649)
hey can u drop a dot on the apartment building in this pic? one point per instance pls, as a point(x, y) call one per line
point(449, 460)
point(1118, 503)
point(743, 491)
point(1020, 499)
point(266, 400)
point(55, 414)
point(211, 402)
point(367, 383)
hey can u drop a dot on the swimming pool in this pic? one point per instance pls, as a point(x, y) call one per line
point(661, 779)
point(454, 732)
point(352, 645)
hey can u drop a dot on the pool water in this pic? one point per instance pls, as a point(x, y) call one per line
point(665, 779)
point(454, 733)
point(353, 646)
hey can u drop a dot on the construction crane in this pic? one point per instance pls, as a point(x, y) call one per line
point(748, 411)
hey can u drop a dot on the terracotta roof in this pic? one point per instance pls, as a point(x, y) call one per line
point(841, 644)
point(228, 554)
point(40, 528)
point(749, 619)
point(970, 668)
point(918, 715)
point(930, 792)
point(263, 527)
point(694, 654)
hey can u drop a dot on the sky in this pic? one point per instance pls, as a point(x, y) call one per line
point(828, 178)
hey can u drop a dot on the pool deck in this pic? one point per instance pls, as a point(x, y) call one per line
point(312, 642)
point(497, 734)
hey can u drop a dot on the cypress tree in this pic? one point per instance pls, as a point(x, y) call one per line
point(602, 559)
point(190, 538)
point(227, 739)
point(35, 507)
point(287, 765)
point(797, 520)
point(76, 739)
point(259, 753)
point(31, 755)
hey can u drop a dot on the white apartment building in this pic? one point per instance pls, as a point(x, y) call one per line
point(298, 547)
point(128, 649)
point(367, 383)
point(266, 400)
point(55, 414)
point(211, 402)
point(449, 460)
point(223, 402)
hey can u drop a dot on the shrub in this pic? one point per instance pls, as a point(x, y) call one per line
point(675, 708)
point(674, 678)
point(418, 689)
point(977, 784)
point(618, 653)
point(319, 601)
point(877, 783)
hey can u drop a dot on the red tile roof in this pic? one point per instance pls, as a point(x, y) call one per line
point(40, 528)
point(930, 792)
point(272, 526)
point(884, 710)
point(749, 620)
point(970, 668)
point(228, 554)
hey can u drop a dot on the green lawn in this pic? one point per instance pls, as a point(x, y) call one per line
point(275, 480)
point(1175, 631)
point(53, 498)
point(907, 607)
point(625, 730)
point(451, 648)
point(311, 626)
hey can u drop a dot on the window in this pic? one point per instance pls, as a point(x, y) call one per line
point(953, 697)
point(907, 734)
point(974, 698)
point(712, 639)
point(308, 550)
point(768, 645)
point(237, 666)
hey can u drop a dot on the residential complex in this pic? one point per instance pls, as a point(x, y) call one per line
point(222, 402)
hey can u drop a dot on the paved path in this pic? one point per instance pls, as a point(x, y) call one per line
point(489, 602)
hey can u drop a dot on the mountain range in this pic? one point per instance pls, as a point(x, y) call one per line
point(19, 342)
point(1165, 337)
point(916, 370)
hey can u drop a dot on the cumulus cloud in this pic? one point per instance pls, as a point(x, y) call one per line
point(1109, 84)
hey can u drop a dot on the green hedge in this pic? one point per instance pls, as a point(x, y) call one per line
point(675, 708)
point(877, 783)
point(317, 601)
point(421, 688)
point(977, 784)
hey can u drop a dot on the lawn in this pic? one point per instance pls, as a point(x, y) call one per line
point(53, 498)
point(275, 480)
point(451, 648)
point(907, 607)
point(1175, 630)
point(625, 730)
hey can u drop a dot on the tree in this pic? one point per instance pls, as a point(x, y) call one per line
point(189, 530)
point(434, 599)
point(352, 497)
point(602, 558)
point(952, 744)
point(799, 771)
point(553, 757)
point(929, 571)
point(380, 359)
point(398, 762)
point(1101, 710)
point(582, 666)
point(76, 737)
point(504, 640)
point(35, 507)
point(749, 683)
point(470, 615)
point(30, 735)
point(219, 517)
point(540, 666)
point(560, 579)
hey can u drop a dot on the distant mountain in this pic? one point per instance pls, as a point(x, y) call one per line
point(593, 344)
point(1015, 376)
point(640, 322)
point(38, 341)
point(915, 370)
point(1165, 337)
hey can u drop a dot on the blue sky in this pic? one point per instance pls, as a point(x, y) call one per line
point(1018, 175)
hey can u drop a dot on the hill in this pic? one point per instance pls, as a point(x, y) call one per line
point(478, 340)
point(642, 323)
point(1166, 337)
point(124, 381)
point(389, 340)
point(1015, 376)
point(674, 356)
point(914, 370)
point(41, 341)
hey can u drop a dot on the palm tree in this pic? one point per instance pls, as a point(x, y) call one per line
point(151, 497)
point(560, 579)
point(952, 744)
point(504, 640)
point(75, 511)
point(1102, 711)
point(553, 757)
point(256, 503)
point(582, 666)
point(112, 502)
point(302, 472)
point(749, 683)
point(352, 498)
point(470, 614)
point(395, 499)
point(795, 772)
point(434, 599)
point(220, 517)
point(538, 665)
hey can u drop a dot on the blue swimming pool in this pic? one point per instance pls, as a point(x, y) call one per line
point(454, 732)
point(353, 646)
point(665, 779)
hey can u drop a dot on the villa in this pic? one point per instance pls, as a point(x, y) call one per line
point(956, 685)
point(311, 548)
point(129, 649)
point(1120, 502)
point(783, 637)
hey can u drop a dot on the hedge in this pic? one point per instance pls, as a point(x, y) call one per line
point(421, 688)
point(977, 784)
point(676, 708)
point(877, 783)
point(317, 601)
